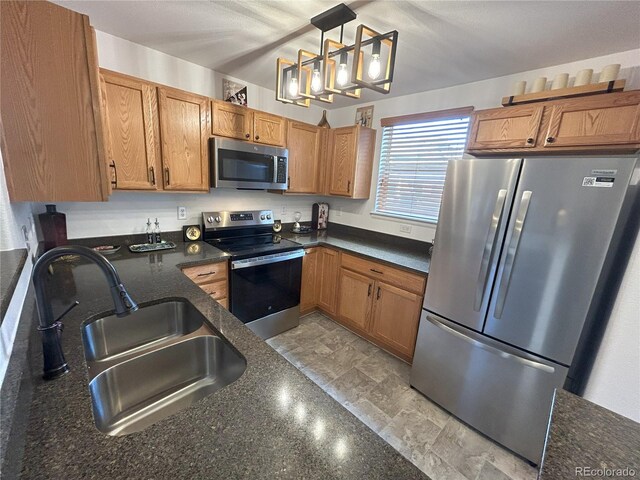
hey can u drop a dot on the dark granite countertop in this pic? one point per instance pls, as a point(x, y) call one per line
point(272, 422)
point(11, 263)
point(396, 251)
point(586, 436)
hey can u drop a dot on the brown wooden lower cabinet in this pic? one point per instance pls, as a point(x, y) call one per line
point(213, 279)
point(376, 301)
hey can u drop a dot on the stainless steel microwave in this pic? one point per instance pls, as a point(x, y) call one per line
point(238, 164)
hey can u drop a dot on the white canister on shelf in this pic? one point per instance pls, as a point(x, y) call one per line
point(610, 73)
point(560, 81)
point(519, 87)
point(583, 77)
point(539, 85)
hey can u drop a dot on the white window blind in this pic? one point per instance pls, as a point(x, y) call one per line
point(413, 166)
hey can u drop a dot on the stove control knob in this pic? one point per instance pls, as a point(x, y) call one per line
point(268, 216)
point(210, 219)
point(218, 219)
point(262, 217)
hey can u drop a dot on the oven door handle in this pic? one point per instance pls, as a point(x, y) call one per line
point(266, 259)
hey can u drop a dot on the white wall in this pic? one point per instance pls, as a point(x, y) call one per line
point(12, 217)
point(483, 94)
point(615, 379)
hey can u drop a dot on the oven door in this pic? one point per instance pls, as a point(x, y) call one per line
point(245, 165)
point(262, 286)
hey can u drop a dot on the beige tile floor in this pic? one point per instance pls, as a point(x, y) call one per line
point(374, 386)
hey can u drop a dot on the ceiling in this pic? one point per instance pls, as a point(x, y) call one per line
point(440, 44)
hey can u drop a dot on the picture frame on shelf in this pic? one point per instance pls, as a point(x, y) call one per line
point(235, 93)
point(364, 116)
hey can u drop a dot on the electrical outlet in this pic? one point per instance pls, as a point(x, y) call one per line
point(182, 213)
point(339, 212)
point(405, 228)
point(283, 210)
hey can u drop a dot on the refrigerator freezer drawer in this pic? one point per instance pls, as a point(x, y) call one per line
point(499, 390)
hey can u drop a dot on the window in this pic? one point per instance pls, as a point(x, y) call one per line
point(413, 162)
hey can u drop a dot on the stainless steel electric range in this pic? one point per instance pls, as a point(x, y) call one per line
point(266, 270)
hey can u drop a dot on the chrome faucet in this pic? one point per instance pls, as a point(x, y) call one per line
point(55, 364)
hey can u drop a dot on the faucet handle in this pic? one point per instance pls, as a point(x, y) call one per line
point(69, 308)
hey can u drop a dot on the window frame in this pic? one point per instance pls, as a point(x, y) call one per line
point(449, 114)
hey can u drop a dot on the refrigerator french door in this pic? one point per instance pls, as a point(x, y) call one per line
point(510, 287)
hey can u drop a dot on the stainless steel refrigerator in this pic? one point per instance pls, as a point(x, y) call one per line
point(521, 255)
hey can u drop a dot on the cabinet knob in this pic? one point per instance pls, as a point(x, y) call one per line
point(550, 139)
point(257, 137)
point(530, 141)
point(247, 136)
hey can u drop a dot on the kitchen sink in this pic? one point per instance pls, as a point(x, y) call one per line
point(151, 364)
point(111, 337)
point(136, 393)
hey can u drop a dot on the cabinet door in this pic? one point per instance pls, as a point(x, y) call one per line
point(308, 297)
point(303, 143)
point(327, 284)
point(52, 145)
point(269, 129)
point(396, 314)
point(324, 169)
point(343, 151)
point(131, 131)
point(509, 127)
point(595, 121)
point(184, 131)
point(354, 299)
point(231, 120)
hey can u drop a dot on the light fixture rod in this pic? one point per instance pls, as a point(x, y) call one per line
point(341, 32)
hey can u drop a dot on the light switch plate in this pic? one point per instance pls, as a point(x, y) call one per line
point(405, 228)
point(182, 213)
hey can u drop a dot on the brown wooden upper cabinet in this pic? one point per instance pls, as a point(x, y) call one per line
point(597, 120)
point(351, 151)
point(52, 138)
point(505, 128)
point(243, 123)
point(130, 107)
point(184, 133)
point(599, 123)
point(304, 142)
point(231, 120)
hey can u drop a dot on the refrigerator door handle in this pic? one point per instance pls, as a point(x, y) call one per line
point(511, 252)
point(489, 247)
point(489, 348)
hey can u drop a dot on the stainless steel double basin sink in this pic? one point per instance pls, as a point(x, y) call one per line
point(153, 363)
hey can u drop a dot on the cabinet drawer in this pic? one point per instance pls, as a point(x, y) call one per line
point(207, 273)
point(217, 290)
point(400, 278)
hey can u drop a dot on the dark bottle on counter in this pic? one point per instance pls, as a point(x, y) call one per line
point(54, 228)
point(158, 237)
point(149, 231)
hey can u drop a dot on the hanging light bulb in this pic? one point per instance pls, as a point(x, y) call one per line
point(342, 76)
point(316, 81)
point(293, 84)
point(374, 64)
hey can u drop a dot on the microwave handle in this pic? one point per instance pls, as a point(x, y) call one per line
point(275, 169)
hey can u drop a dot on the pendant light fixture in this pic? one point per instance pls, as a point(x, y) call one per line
point(338, 68)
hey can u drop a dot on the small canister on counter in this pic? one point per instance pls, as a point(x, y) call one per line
point(54, 228)
point(319, 216)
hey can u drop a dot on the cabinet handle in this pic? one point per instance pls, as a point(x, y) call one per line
point(247, 136)
point(152, 174)
point(550, 139)
point(114, 182)
point(376, 271)
point(166, 175)
point(369, 292)
point(288, 183)
point(378, 294)
point(205, 274)
point(348, 186)
point(530, 141)
point(257, 137)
